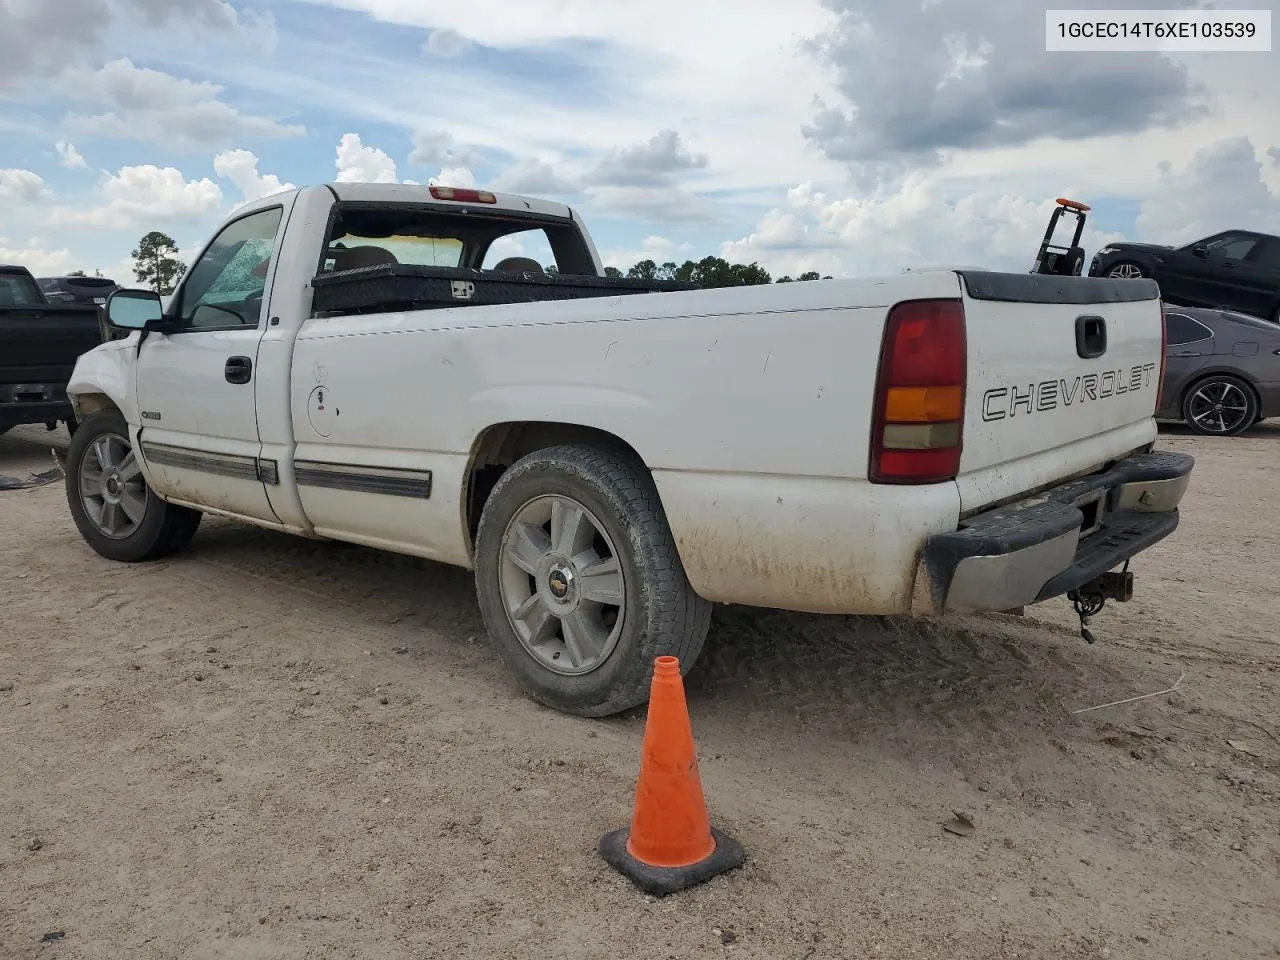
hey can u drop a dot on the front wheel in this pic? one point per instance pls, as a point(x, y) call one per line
point(579, 581)
point(115, 511)
point(1220, 406)
point(1126, 271)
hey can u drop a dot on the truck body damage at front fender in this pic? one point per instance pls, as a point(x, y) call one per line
point(103, 377)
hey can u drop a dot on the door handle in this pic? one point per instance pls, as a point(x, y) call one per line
point(238, 370)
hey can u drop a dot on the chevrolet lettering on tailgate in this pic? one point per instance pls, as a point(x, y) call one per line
point(1001, 402)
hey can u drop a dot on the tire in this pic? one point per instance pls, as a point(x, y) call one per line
point(622, 528)
point(1220, 406)
point(1125, 270)
point(72, 426)
point(160, 528)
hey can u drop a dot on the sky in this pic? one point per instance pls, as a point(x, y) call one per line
point(852, 137)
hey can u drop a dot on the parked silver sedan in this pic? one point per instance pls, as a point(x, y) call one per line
point(1222, 370)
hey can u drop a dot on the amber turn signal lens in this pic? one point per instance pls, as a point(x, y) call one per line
point(924, 404)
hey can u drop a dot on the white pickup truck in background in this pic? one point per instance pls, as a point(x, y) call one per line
point(612, 457)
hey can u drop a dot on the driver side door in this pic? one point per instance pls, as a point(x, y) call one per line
point(197, 384)
point(1214, 279)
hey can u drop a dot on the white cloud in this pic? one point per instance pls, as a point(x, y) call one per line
point(658, 249)
point(153, 106)
point(22, 186)
point(1221, 188)
point(536, 177)
point(432, 147)
point(662, 205)
point(40, 40)
point(913, 226)
point(145, 194)
point(654, 163)
point(459, 177)
point(357, 163)
point(447, 44)
point(35, 257)
point(241, 168)
point(69, 156)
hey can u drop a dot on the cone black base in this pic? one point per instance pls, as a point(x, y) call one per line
point(660, 881)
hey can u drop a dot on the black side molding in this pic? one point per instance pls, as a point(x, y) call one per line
point(357, 479)
point(1040, 288)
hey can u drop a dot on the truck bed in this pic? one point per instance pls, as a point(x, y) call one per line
point(390, 287)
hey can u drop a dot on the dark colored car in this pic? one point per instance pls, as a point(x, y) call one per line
point(1235, 270)
point(1222, 370)
point(77, 289)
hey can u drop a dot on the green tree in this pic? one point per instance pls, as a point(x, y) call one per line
point(77, 273)
point(613, 272)
point(644, 270)
point(810, 275)
point(155, 263)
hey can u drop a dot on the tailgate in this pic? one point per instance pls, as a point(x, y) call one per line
point(1063, 376)
point(43, 343)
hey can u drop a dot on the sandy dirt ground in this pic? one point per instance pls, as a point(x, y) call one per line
point(273, 748)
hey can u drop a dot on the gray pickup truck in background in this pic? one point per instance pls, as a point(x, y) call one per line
point(39, 345)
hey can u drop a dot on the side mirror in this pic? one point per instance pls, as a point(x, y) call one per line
point(134, 310)
point(1200, 250)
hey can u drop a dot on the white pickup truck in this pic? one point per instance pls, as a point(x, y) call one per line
point(612, 457)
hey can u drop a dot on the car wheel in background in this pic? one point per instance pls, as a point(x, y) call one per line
point(1220, 406)
point(1125, 270)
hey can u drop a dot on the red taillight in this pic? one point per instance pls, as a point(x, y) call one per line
point(917, 432)
point(463, 195)
point(1164, 345)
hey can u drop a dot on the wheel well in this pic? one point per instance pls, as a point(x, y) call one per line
point(502, 444)
point(87, 404)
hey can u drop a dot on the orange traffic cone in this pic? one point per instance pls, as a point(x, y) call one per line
point(671, 844)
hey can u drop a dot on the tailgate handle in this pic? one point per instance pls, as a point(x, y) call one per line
point(1091, 337)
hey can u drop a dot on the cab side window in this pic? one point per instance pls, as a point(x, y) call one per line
point(225, 287)
point(1232, 246)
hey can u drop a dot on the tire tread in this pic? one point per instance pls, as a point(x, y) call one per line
point(678, 618)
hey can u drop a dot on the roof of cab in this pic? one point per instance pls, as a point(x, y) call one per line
point(416, 193)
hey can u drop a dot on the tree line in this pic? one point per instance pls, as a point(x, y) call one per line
point(707, 272)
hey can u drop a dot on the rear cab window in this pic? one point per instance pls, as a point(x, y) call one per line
point(19, 290)
point(367, 235)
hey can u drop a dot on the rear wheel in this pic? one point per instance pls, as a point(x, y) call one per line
point(1220, 406)
point(115, 511)
point(580, 583)
point(1125, 270)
